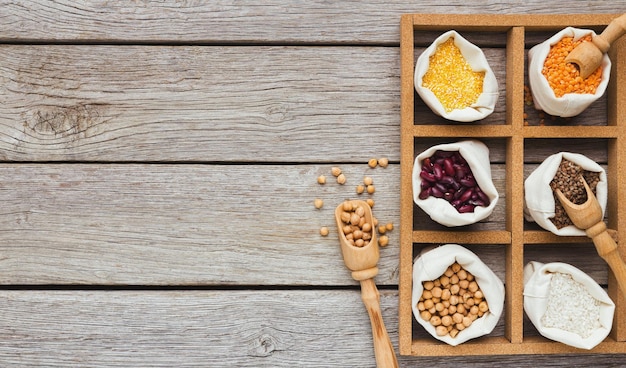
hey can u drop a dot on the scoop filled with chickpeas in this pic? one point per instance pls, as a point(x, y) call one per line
point(359, 247)
point(463, 302)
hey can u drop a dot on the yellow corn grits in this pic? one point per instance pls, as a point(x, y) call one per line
point(451, 78)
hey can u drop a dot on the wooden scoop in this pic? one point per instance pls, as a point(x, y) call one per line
point(588, 216)
point(588, 55)
point(362, 262)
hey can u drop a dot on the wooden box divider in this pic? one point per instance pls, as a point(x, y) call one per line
point(514, 135)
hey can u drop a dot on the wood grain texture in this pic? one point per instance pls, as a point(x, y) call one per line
point(139, 103)
point(276, 21)
point(159, 224)
point(151, 151)
point(197, 328)
point(213, 104)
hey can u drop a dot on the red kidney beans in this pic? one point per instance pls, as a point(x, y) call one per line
point(447, 175)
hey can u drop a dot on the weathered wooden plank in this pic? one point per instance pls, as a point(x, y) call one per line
point(179, 224)
point(160, 224)
point(198, 328)
point(276, 21)
point(140, 103)
point(216, 104)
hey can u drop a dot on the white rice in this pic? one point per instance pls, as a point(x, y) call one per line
point(570, 307)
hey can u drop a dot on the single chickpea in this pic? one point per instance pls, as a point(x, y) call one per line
point(467, 321)
point(360, 189)
point(470, 277)
point(335, 171)
point(460, 308)
point(444, 312)
point(441, 331)
point(425, 315)
point(370, 202)
point(324, 231)
point(454, 300)
point(359, 243)
point(445, 294)
point(454, 289)
point(428, 285)
point(456, 267)
point(318, 203)
point(358, 234)
point(479, 294)
point(445, 280)
point(341, 179)
point(371, 189)
point(446, 321)
point(483, 307)
point(457, 317)
point(436, 292)
point(463, 284)
point(454, 279)
point(454, 332)
point(360, 211)
point(420, 306)
point(354, 219)
point(439, 307)
point(367, 180)
point(382, 229)
point(452, 309)
point(460, 326)
point(473, 286)
point(428, 303)
point(367, 236)
point(435, 320)
point(372, 163)
point(389, 226)
point(347, 206)
point(449, 272)
point(321, 179)
point(462, 274)
point(383, 162)
point(383, 241)
point(367, 227)
point(474, 309)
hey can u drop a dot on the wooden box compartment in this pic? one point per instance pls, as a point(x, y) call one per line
point(517, 143)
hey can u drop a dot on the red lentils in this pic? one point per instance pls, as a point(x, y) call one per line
point(565, 77)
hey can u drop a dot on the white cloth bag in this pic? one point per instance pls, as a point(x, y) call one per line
point(431, 264)
point(570, 104)
point(474, 56)
point(476, 154)
point(537, 277)
point(539, 202)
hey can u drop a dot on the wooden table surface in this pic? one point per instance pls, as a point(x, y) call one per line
point(158, 171)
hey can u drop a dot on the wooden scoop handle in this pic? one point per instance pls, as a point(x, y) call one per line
point(607, 249)
point(383, 349)
point(612, 32)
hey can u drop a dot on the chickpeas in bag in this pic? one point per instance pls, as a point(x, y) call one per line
point(456, 297)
